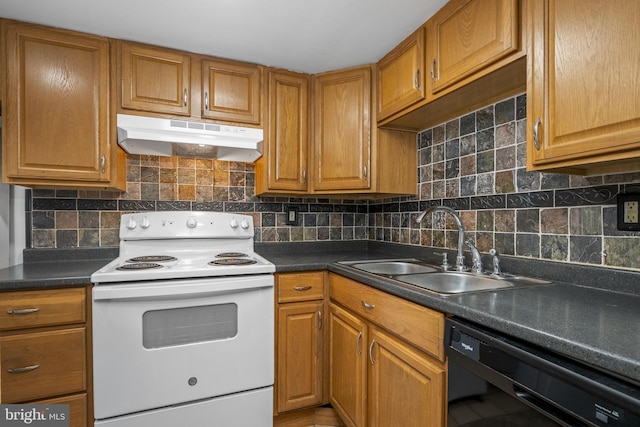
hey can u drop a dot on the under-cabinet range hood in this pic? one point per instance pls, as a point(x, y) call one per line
point(170, 137)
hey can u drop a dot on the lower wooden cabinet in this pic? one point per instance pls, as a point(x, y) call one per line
point(45, 350)
point(376, 377)
point(300, 338)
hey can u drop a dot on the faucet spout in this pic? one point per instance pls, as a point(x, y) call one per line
point(461, 237)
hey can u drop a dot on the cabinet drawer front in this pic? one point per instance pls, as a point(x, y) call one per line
point(412, 322)
point(300, 286)
point(77, 408)
point(28, 309)
point(42, 364)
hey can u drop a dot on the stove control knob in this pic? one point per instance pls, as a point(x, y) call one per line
point(145, 223)
point(192, 222)
point(132, 224)
point(234, 224)
point(244, 224)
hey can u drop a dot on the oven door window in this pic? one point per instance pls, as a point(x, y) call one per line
point(188, 325)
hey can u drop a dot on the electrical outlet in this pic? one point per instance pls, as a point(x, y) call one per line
point(628, 212)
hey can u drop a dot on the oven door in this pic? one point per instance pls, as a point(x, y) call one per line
point(162, 343)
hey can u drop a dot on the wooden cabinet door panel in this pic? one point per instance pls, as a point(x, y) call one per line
point(467, 35)
point(43, 363)
point(304, 286)
point(401, 76)
point(399, 376)
point(286, 150)
point(342, 130)
point(56, 105)
point(583, 85)
point(231, 91)
point(300, 355)
point(154, 79)
point(347, 366)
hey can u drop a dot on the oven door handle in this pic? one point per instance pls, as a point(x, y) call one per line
point(177, 290)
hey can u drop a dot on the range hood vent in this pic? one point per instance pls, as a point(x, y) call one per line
point(169, 137)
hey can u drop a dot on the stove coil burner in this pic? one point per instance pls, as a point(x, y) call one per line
point(153, 258)
point(139, 266)
point(231, 255)
point(232, 261)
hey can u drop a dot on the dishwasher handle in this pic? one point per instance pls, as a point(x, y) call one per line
point(547, 408)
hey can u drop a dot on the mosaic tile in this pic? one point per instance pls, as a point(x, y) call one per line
point(555, 248)
point(585, 221)
point(585, 249)
point(622, 252)
point(554, 221)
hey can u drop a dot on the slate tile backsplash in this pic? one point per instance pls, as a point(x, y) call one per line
point(474, 164)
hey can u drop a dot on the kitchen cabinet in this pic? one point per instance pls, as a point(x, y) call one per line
point(342, 130)
point(44, 350)
point(58, 125)
point(300, 340)
point(401, 76)
point(283, 165)
point(386, 358)
point(155, 79)
point(474, 56)
point(164, 81)
point(583, 115)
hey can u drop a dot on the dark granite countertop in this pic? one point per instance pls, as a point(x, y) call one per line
point(592, 319)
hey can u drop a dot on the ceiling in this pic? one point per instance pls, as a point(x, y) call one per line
point(301, 35)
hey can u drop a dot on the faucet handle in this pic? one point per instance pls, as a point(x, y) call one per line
point(496, 262)
point(445, 260)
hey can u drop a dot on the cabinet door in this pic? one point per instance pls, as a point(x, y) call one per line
point(583, 85)
point(342, 129)
point(401, 76)
point(154, 79)
point(300, 355)
point(231, 91)
point(468, 35)
point(347, 366)
point(56, 126)
point(405, 387)
point(285, 155)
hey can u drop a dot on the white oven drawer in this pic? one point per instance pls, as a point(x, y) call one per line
point(163, 343)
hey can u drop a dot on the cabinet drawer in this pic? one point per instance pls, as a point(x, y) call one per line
point(28, 309)
point(77, 408)
point(300, 286)
point(45, 363)
point(412, 322)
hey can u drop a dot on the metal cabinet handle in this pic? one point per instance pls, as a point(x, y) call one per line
point(301, 288)
point(206, 100)
point(416, 80)
point(184, 96)
point(25, 369)
point(319, 320)
point(536, 136)
point(23, 311)
point(433, 70)
point(365, 171)
point(304, 175)
point(358, 344)
point(367, 305)
point(102, 163)
point(373, 362)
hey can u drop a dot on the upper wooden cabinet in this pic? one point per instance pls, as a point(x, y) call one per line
point(58, 128)
point(400, 75)
point(466, 35)
point(231, 91)
point(283, 166)
point(583, 114)
point(164, 81)
point(155, 79)
point(342, 130)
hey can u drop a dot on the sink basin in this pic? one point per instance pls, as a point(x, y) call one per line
point(393, 268)
point(453, 282)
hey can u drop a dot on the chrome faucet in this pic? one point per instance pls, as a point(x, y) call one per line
point(460, 258)
point(476, 260)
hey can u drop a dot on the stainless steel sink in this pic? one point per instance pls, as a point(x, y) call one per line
point(393, 267)
point(453, 282)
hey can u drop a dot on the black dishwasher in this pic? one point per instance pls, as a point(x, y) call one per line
point(499, 381)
